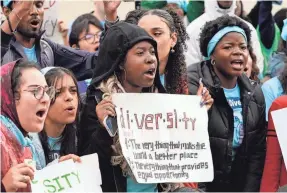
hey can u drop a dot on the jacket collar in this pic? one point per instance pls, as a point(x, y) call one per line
point(19, 48)
point(212, 82)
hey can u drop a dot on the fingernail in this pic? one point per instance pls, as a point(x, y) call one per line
point(204, 91)
point(200, 80)
point(202, 103)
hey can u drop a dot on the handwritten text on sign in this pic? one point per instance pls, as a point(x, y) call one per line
point(68, 176)
point(164, 137)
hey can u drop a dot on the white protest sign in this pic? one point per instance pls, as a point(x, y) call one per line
point(164, 138)
point(50, 23)
point(279, 120)
point(68, 176)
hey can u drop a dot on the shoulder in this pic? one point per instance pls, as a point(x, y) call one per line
point(271, 84)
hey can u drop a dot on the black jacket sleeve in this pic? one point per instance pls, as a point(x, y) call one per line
point(80, 62)
point(256, 156)
point(93, 138)
point(266, 23)
point(5, 42)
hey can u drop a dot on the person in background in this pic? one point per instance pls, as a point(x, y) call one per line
point(21, 37)
point(135, 70)
point(277, 86)
point(167, 29)
point(85, 35)
point(99, 13)
point(24, 107)
point(268, 33)
point(251, 70)
point(213, 10)
point(275, 174)
point(236, 124)
point(58, 139)
point(276, 61)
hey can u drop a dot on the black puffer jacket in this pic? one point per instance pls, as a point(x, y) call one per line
point(244, 173)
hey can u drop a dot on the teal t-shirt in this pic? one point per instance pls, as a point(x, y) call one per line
point(233, 98)
point(31, 54)
point(271, 89)
point(55, 147)
point(133, 186)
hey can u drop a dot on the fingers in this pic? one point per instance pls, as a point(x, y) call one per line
point(23, 178)
point(27, 171)
point(200, 88)
point(21, 185)
point(70, 156)
point(110, 109)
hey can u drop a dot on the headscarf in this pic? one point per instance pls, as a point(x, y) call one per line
point(16, 136)
point(8, 107)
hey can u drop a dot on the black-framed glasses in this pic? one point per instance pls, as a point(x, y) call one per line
point(91, 38)
point(38, 92)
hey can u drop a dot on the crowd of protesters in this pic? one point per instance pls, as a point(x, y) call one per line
point(55, 98)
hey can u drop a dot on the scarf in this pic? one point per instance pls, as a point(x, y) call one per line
point(8, 116)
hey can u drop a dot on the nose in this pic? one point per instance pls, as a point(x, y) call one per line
point(150, 59)
point(34, 10)
point(68, 96)
point(237, 51)
point(45, 99)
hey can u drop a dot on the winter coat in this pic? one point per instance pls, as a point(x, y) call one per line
point(245, 171)
point(50, 53)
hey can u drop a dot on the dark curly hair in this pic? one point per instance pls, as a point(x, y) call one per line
point(176, 67)
point(212, 27)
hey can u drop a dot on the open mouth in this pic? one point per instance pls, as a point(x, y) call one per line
point(41, 113)
point(237, 63)
point(35, 22)
point(70, 109)
point(150, 72)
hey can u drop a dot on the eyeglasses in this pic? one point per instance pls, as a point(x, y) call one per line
point(91, 38)
point(39, 91)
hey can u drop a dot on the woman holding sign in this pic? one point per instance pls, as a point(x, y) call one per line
point(128, 63)
point(58, 138)
point(275, 174)
point(236, 120)
point(24, 107)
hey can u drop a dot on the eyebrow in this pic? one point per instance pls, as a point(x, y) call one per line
point(156, 28)
point(36, 85)
point(66, 87)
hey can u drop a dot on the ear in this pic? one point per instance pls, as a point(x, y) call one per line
point(173, 39)
point(6, 11)
point(74, 46)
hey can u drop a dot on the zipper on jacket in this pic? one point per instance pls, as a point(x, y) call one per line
point(246, 101)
